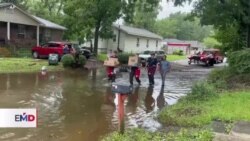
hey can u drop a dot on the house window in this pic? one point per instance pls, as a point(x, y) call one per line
point(147, 43)
point(21, 31)
point(48, 33)
point(114, 38)
point(156, 43)
point(138, 42)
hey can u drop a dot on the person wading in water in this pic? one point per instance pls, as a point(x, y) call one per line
point(151, 66)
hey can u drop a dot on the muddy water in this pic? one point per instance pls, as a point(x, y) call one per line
point(79, 106)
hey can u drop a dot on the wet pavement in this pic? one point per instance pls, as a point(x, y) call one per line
point(79, 106)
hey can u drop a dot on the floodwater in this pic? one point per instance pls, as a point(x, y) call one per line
point(79, 106)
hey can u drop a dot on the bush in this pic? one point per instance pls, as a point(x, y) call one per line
point(202, 91)
point(239, 61)
point(123, 57)
point(219, 78)
point(68, 60)
point(178, 52)
point(82, 60)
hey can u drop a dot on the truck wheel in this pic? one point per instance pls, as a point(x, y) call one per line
point(35, 55)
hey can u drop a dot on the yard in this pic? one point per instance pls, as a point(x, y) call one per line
point(176, 57)
point(13, 65)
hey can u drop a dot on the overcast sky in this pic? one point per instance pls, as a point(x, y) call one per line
point(168, 8)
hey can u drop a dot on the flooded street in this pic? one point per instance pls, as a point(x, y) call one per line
point(79, 106)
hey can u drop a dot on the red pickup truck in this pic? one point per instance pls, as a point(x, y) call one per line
point(208, 57)
point(44, 50)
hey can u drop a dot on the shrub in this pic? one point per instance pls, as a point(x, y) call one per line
point(68, 60)
point(178, 52)
point(239, 61)
point(82, 60)
point(123, 57)
point(202, 91)
point(219, 77)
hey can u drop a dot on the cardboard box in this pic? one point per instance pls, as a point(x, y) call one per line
point(112, 62)
point(133, 61)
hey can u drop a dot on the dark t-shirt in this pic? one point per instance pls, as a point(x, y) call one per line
point(152, 62)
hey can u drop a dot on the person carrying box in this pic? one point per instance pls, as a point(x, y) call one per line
point(134, 63)
point(110, 69)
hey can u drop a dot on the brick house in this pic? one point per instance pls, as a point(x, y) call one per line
point(22, 29)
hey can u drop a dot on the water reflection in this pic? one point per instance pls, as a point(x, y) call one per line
point(149, 100)
point(161, 99)
point(78, 105)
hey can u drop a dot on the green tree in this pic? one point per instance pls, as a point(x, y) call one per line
point(20, 3)
point(232, 14)
point(141, 13)
point(83, 16)
point(211, 42)
point(178, 26)
point(48, 9)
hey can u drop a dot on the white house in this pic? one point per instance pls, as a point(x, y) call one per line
point(131, 39)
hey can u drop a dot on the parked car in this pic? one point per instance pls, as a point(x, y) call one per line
point(52, 47)
point(145, 54)
point(207, 56)
point(159, 54)
point(86, 52)
point(144, 57)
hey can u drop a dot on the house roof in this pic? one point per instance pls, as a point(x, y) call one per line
point(49, 24)
point(137, 31)
point(4, 4)
point(42, 22)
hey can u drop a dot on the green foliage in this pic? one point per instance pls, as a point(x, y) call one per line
point(229, 39)
point(219, 78)
point(81, 61)
point(228, 107)
point(239, 61)
point(234, 13)
point(177, 26)
point(211, 42)
point(178, 52)
point(141, 13)
point(142, 135)
point(202, 91)
point(123, 57)
point(68, 60)
point(102, 57)
point(82, 16)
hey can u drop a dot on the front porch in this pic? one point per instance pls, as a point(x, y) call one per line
point(20, 35)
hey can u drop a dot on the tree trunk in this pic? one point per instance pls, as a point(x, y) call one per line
point(96, 39)
point(248, 36)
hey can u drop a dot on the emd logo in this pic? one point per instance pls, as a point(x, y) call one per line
point(25, 118)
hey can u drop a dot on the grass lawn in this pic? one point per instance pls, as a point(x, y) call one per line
point(142, 135)
point(230, 106)
point(102, 56)
point(176, 57)
point(16, 65)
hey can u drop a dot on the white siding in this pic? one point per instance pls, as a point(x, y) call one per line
point(15, 16)
point(128, 43)
point(131, 44)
